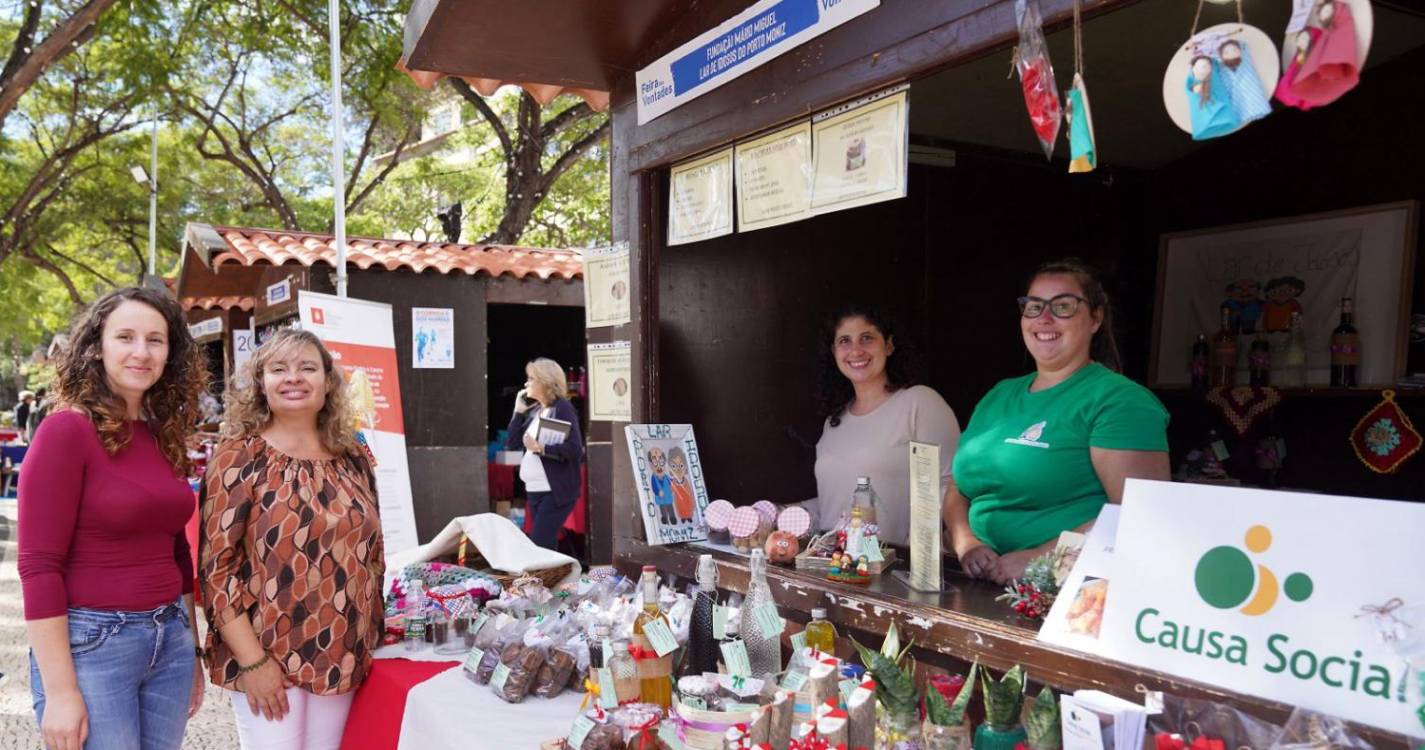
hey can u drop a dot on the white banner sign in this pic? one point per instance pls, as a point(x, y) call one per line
point(611, 382)
point(209, 327)
point(607, 294)
point(774, 178)
point(744, 42)
point(700, 199)
point(1310, 600)
point(432, 338)
point(244, 344)
point(360, 337)
point(861, 155)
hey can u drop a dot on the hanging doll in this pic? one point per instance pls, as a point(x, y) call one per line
point(1330, 68)
point(1208, 102)
point(1286, 87)
point(1244, 86)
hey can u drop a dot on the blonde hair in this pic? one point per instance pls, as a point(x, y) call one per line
point(549, 375)
point(248, 414)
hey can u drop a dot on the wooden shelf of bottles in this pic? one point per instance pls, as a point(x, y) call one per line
point(1312, 391)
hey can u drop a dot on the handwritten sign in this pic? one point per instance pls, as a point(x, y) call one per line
point(770, 623)
point(734, 656)
point(660, 637)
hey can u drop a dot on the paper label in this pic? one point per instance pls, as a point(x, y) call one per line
point(769, 621)
point(845, 687)
point(794, 681)
point(1219, 449)
point(693, 701)
point(668, 734)
point(582, 726)
point(734, 655)
point(608, 692)
point(608, 649)
point(799, 642)
point(472, 661)
point(720, 615)
point(1082, 730)
point(660, 637)
point(497, 680)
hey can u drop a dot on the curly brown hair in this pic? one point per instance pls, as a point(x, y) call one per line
point(170, 405)
point(248, 414)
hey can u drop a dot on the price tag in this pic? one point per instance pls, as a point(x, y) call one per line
point(1219, 449)
point(799, 642)
point(734, 655)
point(478, 623)
point(582, 726)
point(872, 549)
point(668, 733)
point(693, 701)
point(472, 662)
point(769, 621)
point(608, 692)
point(608, 648)
point(720, 615)
point(497, 680)
point(660, 637)
point(794, 681)
point(845, 687)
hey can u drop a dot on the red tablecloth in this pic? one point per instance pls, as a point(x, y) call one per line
point(502, 482)
point(380, 703)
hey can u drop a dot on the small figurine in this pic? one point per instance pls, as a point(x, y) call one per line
point(836, 562)
point(863, 567)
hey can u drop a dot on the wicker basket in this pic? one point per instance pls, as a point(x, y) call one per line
point(470, 557)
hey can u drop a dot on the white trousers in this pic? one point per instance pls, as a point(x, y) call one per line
point(315, 722)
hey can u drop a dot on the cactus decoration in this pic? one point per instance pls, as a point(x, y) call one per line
point(1042, 722)
point(1004, 700)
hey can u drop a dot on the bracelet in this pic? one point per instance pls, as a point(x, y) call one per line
point(253, 666)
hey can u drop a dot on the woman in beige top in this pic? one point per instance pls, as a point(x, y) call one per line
point(873, 411)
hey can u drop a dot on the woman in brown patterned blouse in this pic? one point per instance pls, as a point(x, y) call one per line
point(291, 552)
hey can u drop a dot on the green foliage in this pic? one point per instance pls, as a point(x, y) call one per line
point(951, 714)
point(895, 683)
point(1003, 699)
point(1042, 723)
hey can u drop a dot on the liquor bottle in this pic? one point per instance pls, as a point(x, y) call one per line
point(1291, 368)
point(654, 685)
point(865, 497)
point(1224, 353)
point(624, 671)
point(1199, 364)
point(596, 652)
point(763, 654)
point(821, 635)
point(1345, 348)
point(702, 652)
point(1259, 360)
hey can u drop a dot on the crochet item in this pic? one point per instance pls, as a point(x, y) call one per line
point(1385, 438)
point(1243, 406)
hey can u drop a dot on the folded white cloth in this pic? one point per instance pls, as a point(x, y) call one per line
point(500, 542)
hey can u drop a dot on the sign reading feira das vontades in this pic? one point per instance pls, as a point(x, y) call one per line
point(1273, 594)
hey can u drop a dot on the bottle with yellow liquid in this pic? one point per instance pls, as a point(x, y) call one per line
point(821, 635)
point(655, 684)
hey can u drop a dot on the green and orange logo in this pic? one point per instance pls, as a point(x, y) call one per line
point(1226, 577)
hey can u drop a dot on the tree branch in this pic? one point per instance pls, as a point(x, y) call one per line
point(568, 158)
point(23, 41)
point(73, 31)
point(33, 259)
point(558, 123)
point(53, 251)
point(411, 134)
point(483, 108)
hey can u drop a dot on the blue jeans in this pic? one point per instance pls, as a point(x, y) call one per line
point(135, 671)
point(549, 512)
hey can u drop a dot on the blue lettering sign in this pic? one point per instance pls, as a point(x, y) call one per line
point(759, 34)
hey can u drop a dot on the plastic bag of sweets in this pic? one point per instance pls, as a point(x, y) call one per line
point(511, 633)
point(559, 660)
point(1183, 721)
point(1036, 76)
point(516, 671)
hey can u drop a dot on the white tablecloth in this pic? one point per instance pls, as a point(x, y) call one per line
point(449, 712)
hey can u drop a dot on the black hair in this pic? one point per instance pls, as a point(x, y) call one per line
point(835, 391)
point(1290, 281)
point(1103, 349)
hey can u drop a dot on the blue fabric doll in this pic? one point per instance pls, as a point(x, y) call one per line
point(1239, 77)
point(1208, 101)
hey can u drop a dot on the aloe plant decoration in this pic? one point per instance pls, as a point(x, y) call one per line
point(897, 722)
point(1003, 702)
point(950, 714)
point(1042, 723)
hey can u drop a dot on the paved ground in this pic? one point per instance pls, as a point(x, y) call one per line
point(211, 729)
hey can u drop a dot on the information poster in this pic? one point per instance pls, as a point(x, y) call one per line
point(774, 178)
point(607, 294)
point(667, 470)
point(1076, 618)
point(360, 337)
point(1260, 592)
point(611, 381)
point(700, 199)
point(925, 512)
point(861, 154)
point(244, 344)
point(432, 338)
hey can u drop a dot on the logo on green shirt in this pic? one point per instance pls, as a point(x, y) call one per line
point(1031, 436)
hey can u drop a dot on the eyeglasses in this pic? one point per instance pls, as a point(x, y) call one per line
point(1061, 306)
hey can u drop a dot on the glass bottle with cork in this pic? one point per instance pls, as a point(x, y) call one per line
point(1259, 360)
point(764, 653)
point(820, 634)
point(865, 498)
point(1198, 367)
point(654, 672)
point(1290, 367)
point(1345, 348)
point(624, 671)
point(701, 655)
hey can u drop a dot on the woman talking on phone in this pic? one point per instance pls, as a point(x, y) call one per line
point(550, 468)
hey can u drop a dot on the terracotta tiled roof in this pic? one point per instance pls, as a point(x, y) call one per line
point(219, 303)
point(250, 247)
point(544, 93)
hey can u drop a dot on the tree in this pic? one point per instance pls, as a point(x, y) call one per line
point(72, 25)
point(527, 144)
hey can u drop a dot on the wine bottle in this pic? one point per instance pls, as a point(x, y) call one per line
point(1292, 367)
point(1345, 348)
point(764, 653)
point(702, 653)
point(1259, 360)
point(654, 685)
point(1224, 353)
point(1199, 364)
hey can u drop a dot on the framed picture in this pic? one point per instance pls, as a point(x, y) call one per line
point(669, 475)
point(1259, 274)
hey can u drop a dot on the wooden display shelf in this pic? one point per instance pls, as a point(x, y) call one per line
point(949, 629)
point(1320, 391)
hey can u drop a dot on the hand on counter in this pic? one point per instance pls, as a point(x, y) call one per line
point(980, 561)
point(1010, 566)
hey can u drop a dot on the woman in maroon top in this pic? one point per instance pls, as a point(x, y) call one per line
point(104, 563)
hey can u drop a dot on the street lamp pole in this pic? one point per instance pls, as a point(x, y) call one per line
point(153, 197)
point(338, 181)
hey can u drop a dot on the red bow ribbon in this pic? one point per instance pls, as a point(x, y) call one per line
point(640, 653)
point(645, 733)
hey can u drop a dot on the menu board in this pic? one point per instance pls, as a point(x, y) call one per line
point(925, 512)
point(774, 178)
point(700, 199)
point(861, 154)
point(611, 382)
point(607, 293)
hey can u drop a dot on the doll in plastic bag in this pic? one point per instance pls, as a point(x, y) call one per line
point(1036, 75)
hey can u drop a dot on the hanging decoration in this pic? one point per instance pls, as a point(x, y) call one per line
point(1036, 75)
point(1218, 80)
point(1324, 50)
point(1243, 406)
point(1083, 151)
point(1385, 438)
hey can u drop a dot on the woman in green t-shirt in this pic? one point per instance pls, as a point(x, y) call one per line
point(1044, 452)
